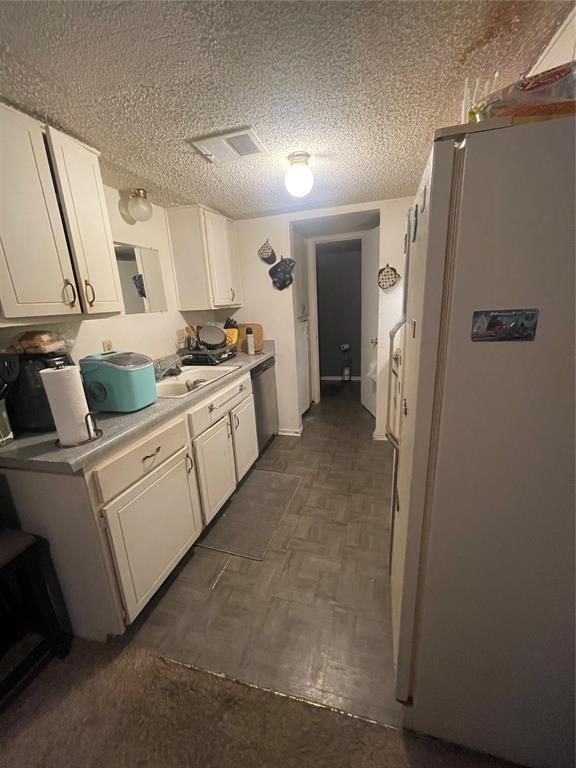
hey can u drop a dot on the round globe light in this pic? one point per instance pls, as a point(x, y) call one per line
point(299, 179)
point(139, 206)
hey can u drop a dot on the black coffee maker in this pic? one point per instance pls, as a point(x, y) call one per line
point(20, 384)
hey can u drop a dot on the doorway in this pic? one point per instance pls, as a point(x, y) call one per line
point(306, 235)
point(339, 292)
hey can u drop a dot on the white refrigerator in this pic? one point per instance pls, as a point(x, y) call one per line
point(483, 552)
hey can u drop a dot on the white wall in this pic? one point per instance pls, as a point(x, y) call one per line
point(275, 309)
point(153, 334)
point(272, 308)
point(561, 49)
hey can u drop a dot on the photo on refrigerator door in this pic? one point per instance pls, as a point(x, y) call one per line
point(504, 325)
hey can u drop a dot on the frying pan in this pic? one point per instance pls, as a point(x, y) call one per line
point(211, 337)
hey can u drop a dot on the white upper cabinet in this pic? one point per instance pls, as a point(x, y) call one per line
point(218, 252)
point(235, 270)
point(36, 276)
point(80, 185)
point(205, 259)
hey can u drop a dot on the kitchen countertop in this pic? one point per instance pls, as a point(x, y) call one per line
point(38, 453)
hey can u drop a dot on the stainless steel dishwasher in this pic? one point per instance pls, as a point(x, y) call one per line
point(265, 402)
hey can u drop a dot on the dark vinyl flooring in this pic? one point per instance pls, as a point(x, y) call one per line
point(313, 618)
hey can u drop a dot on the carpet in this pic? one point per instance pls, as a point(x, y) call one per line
point(106, 706)
point(248, 523)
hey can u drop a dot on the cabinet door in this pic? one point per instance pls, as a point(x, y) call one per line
point(235, 269)
point(243, 420)
point(36, 276)
point(80, 184)
point(215, 466)
point(303, 284)
point(218, 255)
point(151, 526)
point(300, 285)
point(303, 364)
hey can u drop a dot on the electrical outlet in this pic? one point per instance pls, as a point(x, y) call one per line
point(107, 345)
point(181, 337)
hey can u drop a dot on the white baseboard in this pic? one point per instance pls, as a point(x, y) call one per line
point(291, 432)
point(339, 378)
point(379, 436)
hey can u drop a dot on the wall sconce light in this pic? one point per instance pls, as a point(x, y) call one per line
point(138, 205)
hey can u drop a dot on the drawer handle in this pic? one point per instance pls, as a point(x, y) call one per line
point(190, 462)
point(237, 420)
point(152, 455)
point(213, 407)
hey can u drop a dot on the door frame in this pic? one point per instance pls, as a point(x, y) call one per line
point(313, 304)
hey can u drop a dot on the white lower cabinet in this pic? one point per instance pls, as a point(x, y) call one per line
point(151, 526)
point(243, 421)
point(215, 463)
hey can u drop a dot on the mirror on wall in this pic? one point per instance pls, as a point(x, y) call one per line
point(140, 278)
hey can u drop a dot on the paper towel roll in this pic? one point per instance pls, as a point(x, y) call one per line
point(68, 403)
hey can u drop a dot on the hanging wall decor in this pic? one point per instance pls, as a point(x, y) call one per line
point(266, 253)
point(281, 273)
point(138, 281)
point(388, 277)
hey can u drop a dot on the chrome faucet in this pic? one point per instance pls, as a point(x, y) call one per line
point(167, 366)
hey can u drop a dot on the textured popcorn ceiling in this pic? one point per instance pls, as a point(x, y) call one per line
point(359, 85)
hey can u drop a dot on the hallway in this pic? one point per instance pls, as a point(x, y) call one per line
point(313, 618)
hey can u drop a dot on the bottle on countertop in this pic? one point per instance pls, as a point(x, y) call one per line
point(250, 341)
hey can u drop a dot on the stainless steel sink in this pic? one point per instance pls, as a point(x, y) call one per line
point(192, 378)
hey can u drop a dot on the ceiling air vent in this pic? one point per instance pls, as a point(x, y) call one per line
point(231, 145)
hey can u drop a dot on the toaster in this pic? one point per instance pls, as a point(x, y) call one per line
point(118, 381)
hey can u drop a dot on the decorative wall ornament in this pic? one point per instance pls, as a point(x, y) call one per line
point(138, 281)
point(281, 273)
point(388, 277)
point(266, 253)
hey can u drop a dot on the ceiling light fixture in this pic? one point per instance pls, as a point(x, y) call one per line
point(299, 178)
point(138, 205)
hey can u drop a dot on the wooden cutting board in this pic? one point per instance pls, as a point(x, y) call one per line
point(258, 336)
